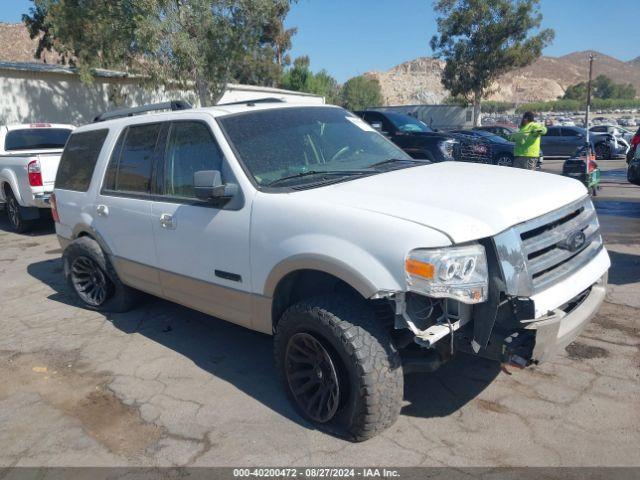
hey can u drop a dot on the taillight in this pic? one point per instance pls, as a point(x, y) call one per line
point(54, 208)
point(635, 140)
point(35, 174)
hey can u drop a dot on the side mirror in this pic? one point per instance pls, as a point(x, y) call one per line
point(209, 187)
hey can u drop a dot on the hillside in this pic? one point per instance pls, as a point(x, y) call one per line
point(418, 81)
point(17, 46)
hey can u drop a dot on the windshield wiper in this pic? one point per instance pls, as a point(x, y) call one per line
point(395, 160)
point(344, 173)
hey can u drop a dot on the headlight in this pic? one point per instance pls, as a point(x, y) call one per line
point(446, 147)
point(457, 272)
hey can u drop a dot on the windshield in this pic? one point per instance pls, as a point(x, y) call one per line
point(289, 142)
point(492, 137)
point(407, 123)
point(36, 139)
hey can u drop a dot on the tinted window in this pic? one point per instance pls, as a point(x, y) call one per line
point(36, 138)
point(78, 160)
point(598, 129)
point(190, 148)
point(570, 132)
point(406, 123)
point(133, 173)
point(553, 132)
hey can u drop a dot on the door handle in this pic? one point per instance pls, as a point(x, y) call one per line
point(102, 210)
point(166, 221)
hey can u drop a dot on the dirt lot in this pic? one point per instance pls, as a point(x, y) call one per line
point(164, 385)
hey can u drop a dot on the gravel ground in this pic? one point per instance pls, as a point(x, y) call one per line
point(164, 385)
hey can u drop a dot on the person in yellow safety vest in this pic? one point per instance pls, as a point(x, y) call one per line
point(527, 140)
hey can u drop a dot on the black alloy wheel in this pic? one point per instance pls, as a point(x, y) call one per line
point(312, 377)
point(89, 281)
point(13, 211)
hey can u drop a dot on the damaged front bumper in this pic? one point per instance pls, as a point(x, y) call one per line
point(562, 326)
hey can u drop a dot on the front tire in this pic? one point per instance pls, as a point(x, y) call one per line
point(504, 161)
point(93, 279)
point(333, 349)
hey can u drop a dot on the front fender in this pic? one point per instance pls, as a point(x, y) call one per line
point(338, 257)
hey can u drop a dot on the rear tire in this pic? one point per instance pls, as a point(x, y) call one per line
point(16, 220)
point(93, 279)
point(355, 361)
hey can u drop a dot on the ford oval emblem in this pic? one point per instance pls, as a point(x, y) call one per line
point(574, 242)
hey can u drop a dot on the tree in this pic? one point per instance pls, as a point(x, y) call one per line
point(603, 88)
point(301, 79)
point(199, 44)
point(359, 93)
point(480, 40)
point(265, 64)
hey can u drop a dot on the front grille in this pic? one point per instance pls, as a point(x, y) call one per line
point(475, 151)
point(559, 243)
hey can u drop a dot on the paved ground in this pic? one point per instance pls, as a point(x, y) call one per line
point(164, 385)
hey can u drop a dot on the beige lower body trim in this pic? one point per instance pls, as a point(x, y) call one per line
point(242, 308)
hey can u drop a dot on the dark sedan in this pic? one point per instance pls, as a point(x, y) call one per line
point(501, 149)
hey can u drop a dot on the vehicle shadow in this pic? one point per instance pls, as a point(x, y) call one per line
point(625, 268)
point(244, 358)
point(43, 226)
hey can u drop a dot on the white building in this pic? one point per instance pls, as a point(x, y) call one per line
point(33, 92)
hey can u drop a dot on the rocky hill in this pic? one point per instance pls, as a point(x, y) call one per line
point(418, 81)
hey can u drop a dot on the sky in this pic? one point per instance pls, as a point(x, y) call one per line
point(350, 37)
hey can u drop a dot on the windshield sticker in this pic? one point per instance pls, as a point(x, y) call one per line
point(361, 123)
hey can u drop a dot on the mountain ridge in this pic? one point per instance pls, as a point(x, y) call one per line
point(418, 80)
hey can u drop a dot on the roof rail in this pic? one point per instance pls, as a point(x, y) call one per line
point(251, 102)
point(153, 107)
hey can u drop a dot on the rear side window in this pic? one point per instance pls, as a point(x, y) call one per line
point(36, 139)
point(191, 148)
point(131, 164)
point(79, 159)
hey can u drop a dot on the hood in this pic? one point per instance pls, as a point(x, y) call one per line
point(465, 201)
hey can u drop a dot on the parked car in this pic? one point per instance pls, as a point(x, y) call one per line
point(501, 149)
point(561, 141)
point(615, 130)
point(420, 141)
point(633, 168)
point(29, 157)
point(305, 223)
point(504, 131)
point(635, 140)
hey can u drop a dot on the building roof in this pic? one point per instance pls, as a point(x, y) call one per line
point(17, 46)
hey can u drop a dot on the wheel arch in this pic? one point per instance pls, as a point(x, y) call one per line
point(8, 180)
point(305, 276)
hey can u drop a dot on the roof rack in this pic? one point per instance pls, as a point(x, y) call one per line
point(251, 102)
point(153, 107)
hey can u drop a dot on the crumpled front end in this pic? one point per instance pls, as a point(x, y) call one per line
point(547, 278)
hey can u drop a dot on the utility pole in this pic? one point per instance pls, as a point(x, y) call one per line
point(586, 118)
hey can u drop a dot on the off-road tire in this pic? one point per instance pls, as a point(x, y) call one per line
point(370, 368)
point(17, 222)
point(120, 298)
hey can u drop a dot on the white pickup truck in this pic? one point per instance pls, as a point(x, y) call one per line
point(29, 158)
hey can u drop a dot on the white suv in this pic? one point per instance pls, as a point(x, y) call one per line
point(305, 223)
